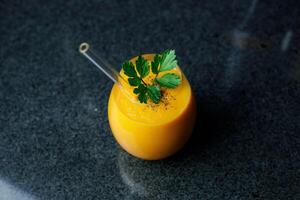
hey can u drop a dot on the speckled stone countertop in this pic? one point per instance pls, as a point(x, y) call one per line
point(241, 57)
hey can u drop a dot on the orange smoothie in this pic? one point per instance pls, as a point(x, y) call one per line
point(152, 131)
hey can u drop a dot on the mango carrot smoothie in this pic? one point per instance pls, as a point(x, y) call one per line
point(156, 124)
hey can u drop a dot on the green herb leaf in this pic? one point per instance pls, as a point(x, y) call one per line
point(143, 97)
point(142, 66)
point(154, 93)
point(155, 64)
point(161, 62)
point(168, 60)
point(135, 81)
point(139, 89)
point(129, 69)
point(169, 80)
point(136, 91)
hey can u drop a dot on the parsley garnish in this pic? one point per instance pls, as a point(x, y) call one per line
point(168, 80)
point(161, 62)
point(168, 60)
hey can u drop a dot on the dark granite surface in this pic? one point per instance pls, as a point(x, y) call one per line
point(242, 58)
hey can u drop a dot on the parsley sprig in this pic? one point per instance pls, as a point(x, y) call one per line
point(162, 62)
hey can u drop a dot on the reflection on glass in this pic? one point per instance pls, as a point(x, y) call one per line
point(241, 40)
point(9, 192)
point(148, 180)
point(250, 12)
point(286, 40)
point(131, 176)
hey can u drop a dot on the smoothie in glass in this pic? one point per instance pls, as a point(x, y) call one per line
point(154, 130)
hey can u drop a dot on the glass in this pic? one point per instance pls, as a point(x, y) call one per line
point(149, 131)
